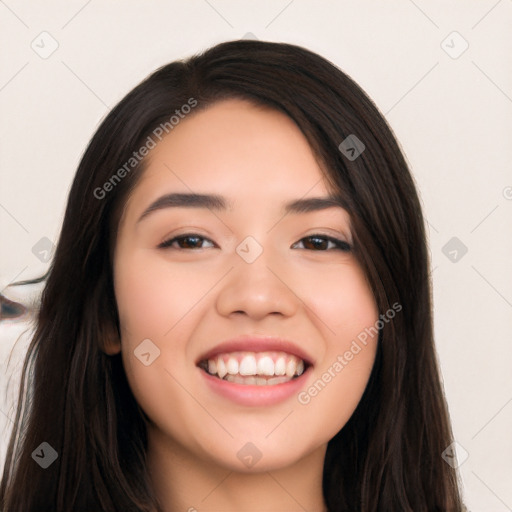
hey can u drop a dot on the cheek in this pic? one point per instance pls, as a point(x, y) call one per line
point(346, 306)
point(343, 301)
point(156, 303)
point(152, 296)
point(149, 306)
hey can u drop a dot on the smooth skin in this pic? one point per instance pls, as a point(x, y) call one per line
point(198, 292)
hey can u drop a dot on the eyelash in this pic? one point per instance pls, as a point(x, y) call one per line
point(339, 244)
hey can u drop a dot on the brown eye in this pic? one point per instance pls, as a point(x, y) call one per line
point(324, 243)
point(190, 241)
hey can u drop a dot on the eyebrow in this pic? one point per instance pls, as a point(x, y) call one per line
point(217, 203)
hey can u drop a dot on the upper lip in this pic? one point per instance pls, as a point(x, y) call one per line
point(252, 343)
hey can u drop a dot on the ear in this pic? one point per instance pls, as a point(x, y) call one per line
point(110, 342)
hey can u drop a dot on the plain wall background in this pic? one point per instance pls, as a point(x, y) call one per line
point(452, 115)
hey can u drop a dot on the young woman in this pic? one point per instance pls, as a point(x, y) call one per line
point(238, 313)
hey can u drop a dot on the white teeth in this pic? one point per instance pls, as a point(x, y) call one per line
point(212, 366)
point(290, 368)
point(247, 366)
point(280, 367)
point(235, 378)
point(255, 367)
point(265, 366)
point(258, 381)
point(232, 366)
point(277, 380)
point(221, 368)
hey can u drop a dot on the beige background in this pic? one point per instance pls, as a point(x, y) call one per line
point(451, 113)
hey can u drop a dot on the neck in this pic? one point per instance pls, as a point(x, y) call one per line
point(183, 482)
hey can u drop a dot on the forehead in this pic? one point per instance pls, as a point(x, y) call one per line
point(237, 149)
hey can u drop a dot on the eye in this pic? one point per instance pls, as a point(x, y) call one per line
point(187, 241)
point(323, 243)
point(10, 309)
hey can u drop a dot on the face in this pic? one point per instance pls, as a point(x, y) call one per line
point(256, 284)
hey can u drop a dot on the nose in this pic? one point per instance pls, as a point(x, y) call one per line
point(257, 289)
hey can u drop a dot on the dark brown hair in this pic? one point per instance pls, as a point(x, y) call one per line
point(76, 398)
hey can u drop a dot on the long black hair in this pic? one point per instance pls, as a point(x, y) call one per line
point(76, 398)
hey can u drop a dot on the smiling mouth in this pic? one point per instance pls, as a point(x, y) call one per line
point(255, 368)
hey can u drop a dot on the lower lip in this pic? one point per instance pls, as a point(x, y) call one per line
point(254, 396)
